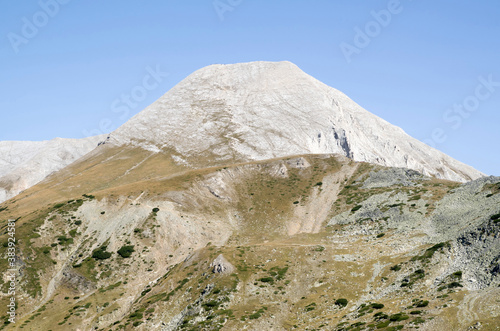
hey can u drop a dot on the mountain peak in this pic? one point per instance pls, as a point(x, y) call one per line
point(263, 110)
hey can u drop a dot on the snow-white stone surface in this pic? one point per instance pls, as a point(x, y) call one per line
point(262, 110)
point(26, 163)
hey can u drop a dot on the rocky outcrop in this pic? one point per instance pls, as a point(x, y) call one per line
point(393, 176)
point(76, 282)
point(221, 266)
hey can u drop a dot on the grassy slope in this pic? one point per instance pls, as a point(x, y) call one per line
point(280, 281)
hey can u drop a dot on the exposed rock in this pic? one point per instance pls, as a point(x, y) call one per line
point(263, 110)
point(299, 163)
point(76, 282)
point(462, 217)
point(221, 266)
point(194, 309)
point(26, 163)
point(393, 176)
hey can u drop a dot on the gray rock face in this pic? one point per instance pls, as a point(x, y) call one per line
point(393, 176)
point(26, 163)
point(477, 252)
point(221, 266)
point(175, 323)
point(76, 281)
point(263, 110)
point(462, 218)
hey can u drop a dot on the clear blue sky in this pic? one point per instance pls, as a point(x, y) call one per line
point(65, 77)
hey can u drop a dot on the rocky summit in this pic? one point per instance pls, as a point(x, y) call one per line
point(253, 197)
point(262, 110)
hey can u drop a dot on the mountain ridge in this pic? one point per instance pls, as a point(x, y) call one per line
point(26, 163)
point(230, 113)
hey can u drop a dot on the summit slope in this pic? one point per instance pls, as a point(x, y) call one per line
point(262, 110)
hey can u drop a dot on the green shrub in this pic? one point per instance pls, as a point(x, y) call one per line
point(422, 303)
point(211, 304)
point(396, 267)
point(63, 240)
point(267, 279)
point(278, 273)
point(155, 210)
point(454, 284)
point(418, 320)
point(356, 208)
point(429, 252)
point(380, 235)
point(126, 251)
point(396, 205)
point(341, 302)
point(101, 254)
point(380, 316)
point(310, 306)
point(136, 315)
point(254, 316)
point(377, 305)
point(383, 324)
point(398, 317)
point(78, 222)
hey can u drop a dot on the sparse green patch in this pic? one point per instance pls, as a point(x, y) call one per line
point(429, 253)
